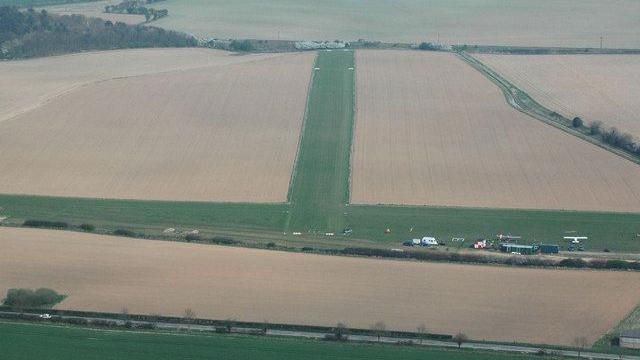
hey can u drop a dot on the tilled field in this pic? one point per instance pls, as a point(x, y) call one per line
point(594, 87)
point(431, 130)
point(493, 303)
point(214, 133)
point(31, 83)
point(576, 23)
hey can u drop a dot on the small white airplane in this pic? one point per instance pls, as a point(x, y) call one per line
point(503, 237)
point(575, 239)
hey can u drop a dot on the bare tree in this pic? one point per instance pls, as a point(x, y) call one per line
point(124, 312)
point(340, 331)
point(379, 329)
point(189, 314)
point(580, 342)
point(460, 338)
point(228, 324)
point(595, 127)
point(155, 318)
point(422, 330)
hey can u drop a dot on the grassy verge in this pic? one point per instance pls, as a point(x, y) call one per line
point(31, 341)
point(320, 187)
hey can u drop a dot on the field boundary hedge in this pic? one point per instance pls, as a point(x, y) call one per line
point(480, 258)
point(15, 314)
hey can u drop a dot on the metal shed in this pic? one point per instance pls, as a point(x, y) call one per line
point(549, 249)
point(630, 339)
point(522, 249)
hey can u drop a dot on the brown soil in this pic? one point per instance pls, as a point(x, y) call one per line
point(431, 130)
point(215, 133)
point(494, 303)
point(594, 87)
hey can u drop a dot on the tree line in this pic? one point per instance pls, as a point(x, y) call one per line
point(28, 298)
point(30, 33)
point(611, 136)
point(137, 7)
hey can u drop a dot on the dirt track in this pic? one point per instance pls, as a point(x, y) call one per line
point(430, 130)
point(225, 132)
point(594, 87)
point(146, 276)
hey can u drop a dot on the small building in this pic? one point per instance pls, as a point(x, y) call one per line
point(549, 249)
point(517, 248)
point(630, 339)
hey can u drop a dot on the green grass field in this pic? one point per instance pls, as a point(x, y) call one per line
point(320, 187)
point(31, 341)
point(617, 232)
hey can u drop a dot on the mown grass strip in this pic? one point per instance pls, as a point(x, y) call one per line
point(143, 215)
point(320, 188)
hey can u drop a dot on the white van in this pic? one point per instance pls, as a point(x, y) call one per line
point(428, 241)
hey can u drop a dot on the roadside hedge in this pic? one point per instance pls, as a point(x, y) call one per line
point(477, 258)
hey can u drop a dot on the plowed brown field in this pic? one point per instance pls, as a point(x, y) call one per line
point(494, 303)
point(214, 133)
point(431, 130)
point(31, 83)
point(594, 87)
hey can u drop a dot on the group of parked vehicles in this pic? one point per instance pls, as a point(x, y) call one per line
point(506, 243)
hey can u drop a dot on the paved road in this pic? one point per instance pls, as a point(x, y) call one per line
point(361, 338)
